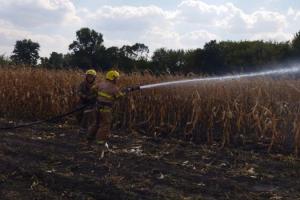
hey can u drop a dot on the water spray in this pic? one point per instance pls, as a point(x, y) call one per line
point(224, 78)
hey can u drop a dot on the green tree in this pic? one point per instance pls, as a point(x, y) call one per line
point(127, 51)
point(26, 52)
point(193, 61)
point(168, 60)
point(4, 60)
point(68, 60)
point(296, 44)
point(88, 49)
point(140, 51)
point(56, 60)
point(160, 60)
point(112, 57)
point(213, 59)
point(126, 58)
point(45, 62)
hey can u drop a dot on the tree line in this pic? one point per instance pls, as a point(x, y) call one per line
point(88, 51)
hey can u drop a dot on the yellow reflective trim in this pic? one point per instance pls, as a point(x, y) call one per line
point(120, 94)
point(105, 95)
point(105, 110)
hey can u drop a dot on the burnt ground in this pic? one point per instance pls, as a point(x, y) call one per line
point(52, 162)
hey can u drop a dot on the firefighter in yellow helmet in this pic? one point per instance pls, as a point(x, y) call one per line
point(87, 95)
point(108, 92)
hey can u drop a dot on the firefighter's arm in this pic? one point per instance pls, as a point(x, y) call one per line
point(94, 93)
point(123, 92)
point(130, 89)
point(80, 93)
point(119, 94)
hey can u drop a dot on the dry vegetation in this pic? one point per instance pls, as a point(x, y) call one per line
point(264, 111)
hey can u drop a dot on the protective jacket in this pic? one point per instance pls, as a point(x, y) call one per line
point(87, 93)
point(107, 94)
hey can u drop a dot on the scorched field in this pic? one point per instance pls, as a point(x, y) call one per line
point(215, 140)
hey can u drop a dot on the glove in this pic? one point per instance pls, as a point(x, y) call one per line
point(131, 89)
point(126, 90)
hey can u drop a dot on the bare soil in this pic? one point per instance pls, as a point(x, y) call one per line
point(53, 162)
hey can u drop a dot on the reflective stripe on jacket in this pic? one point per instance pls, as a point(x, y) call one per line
point(107, 94)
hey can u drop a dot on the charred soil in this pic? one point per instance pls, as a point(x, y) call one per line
point(53, 162)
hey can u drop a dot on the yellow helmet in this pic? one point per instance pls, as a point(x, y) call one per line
point(91, 72)
point(112, 75)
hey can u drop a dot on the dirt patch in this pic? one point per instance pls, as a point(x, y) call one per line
point(52, 162)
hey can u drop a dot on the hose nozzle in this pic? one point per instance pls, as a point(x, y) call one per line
point(132, 89)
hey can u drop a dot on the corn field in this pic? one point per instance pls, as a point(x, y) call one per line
point(260, 111)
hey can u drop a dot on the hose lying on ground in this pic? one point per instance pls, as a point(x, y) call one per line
point(129, 89)
point(46, 120)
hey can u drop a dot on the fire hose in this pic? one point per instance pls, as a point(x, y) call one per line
point(46, 120)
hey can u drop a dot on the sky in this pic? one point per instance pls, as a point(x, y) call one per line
point(177, 24)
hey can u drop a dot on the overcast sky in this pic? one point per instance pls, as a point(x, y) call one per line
point(156, 23)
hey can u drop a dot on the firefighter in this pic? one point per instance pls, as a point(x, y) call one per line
point(108, 92)
point(87, 95)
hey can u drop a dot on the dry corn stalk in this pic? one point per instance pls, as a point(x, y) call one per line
point(209, 112)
